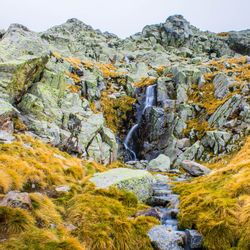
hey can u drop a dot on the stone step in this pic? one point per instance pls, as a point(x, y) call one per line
point(162, 192)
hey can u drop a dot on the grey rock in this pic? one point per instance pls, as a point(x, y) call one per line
point(63, 189)
point(195, 169)
point(191, 153)
point(159, 164)
point(163, 239)
point(221, 115)
point(16, 199)
point(221, 84)
point(6, 137)
point(137, 164)
point(240, 41)
point(194, 239)
point(216, 141)
point(137, 181)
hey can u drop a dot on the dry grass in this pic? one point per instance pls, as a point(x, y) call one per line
point(103, 218)
point(218, 204)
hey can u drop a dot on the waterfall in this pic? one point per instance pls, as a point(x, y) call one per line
point(150, 97)
point(149, 102)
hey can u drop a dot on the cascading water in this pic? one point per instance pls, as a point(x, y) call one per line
point(149, 102)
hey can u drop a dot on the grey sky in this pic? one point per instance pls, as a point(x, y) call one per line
point(126, 17)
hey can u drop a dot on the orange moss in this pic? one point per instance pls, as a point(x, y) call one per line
point(87, 64)
point(75, 62)
point(110, 71)
point(73, 88)
point(223, 34)
point(28, 163)
point(19, 125)
point(144, 82)
point(75, 77)
point(198, 125)
point(116, 110)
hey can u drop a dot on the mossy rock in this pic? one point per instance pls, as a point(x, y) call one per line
point(137, 181)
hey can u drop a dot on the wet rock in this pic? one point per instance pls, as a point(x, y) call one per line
point(159, 164)
point(194, 239)
point(16, 199)
point(194, 168)
point(153, 212)
point(163, 239)
point(137, 181)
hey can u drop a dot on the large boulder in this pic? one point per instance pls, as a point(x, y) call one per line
point(17, 76)
point(137, 181)
point(178, 30)
point(159, 164)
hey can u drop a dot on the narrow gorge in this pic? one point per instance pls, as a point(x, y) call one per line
point(116, 144)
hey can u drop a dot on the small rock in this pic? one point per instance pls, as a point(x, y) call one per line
point(194, 239)
point(159, 164)
point(16, 199)
point(149, 212)
point(6, 137)
point(63, 189)
point(195, 169)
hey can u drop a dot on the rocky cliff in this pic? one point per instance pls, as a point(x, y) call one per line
point(80, 90)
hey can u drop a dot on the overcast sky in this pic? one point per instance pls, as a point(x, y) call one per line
point(126, 17)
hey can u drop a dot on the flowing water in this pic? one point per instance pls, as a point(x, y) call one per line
point(149, 102)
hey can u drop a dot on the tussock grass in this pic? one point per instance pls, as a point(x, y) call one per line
point(218, 204)
point(103, 219)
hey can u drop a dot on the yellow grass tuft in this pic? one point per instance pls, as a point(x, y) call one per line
point(218, 204)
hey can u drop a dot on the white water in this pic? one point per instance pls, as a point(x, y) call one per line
point(149, 101)
point(127, 139)
point(150, 97)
